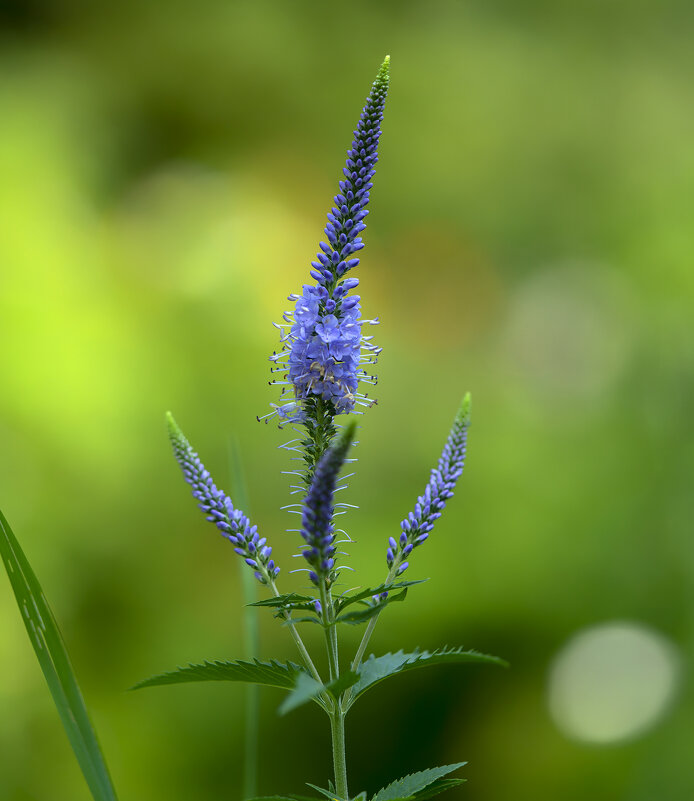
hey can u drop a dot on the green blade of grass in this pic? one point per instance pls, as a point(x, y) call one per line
point(55, 663)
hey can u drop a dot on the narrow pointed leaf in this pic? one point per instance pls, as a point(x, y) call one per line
point(307, 619)
point(343, 601)
point(357, 616)
point(291, 797)
point(272, 674)
point(437, 787)
point(55, 663)
point(343, 682)
point(305, 690)
point(308, 689)
point(330, 793)
point(376, 669)
point(409, 786)
point(291, 600)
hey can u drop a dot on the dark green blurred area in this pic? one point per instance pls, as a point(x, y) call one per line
point(165, 169)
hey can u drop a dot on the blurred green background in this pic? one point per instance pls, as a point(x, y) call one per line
point(165, 168)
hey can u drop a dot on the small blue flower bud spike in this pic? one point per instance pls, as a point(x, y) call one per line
point(417, 526)
point(317, 526)
point(231, 522)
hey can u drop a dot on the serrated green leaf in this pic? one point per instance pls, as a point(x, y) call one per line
point(355, 617)
point(376, 669)
point(291, 600)
point(308, 689)
point(437, 787)
point(409, 786)
point(275, 798)
point(330, 793)
point(55, 663)
point(343, 601)
point(305, 689)
point(291, 797)
point(271, 674)
point(343, 682)
point(313, 619)
point(433, 789)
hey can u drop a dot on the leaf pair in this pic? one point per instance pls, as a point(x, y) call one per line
point(293, 602)
point(284, 675)
point(304, 687)
point(415, 787)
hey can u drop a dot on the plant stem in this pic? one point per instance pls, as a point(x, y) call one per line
point(337, 731)
point(337, 715)
point(330, 633)
point(297, 639)
point(320, 431)
point(372, 623)
point(365, 641)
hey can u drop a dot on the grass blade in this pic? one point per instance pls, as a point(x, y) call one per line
point(55, 663)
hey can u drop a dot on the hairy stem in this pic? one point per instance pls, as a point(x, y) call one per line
point(320, 431)
point(297, 639)
point(330, 633)
point(372, 623)
point(337, 731)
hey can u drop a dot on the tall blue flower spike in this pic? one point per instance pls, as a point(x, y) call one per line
point(324, 349)
point(417, 526)
point(322, 358)
point(317, 527)
point(231, 522)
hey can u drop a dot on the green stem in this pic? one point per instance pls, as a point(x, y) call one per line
point(371, 625)
point(330, 633)
point(337, 731)
point(320, 431)
point(365, 641)
point(297, 639)
point(337, 715)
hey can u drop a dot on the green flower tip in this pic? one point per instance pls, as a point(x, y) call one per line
point(463, 415)
point(174, 431)
point(383, 73)
point(346, 436)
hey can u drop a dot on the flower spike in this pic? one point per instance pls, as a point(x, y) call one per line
point(324, 351)
point(317, 527)
point(417, 526)
point(231, 522)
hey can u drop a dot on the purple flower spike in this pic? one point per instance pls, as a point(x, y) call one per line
point(231, 522)
point(417, 525)
point(317, 527)
point(324, 350)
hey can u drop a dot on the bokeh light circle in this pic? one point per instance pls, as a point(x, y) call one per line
point(612, 682)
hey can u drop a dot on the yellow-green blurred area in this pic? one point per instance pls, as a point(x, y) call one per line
point(165, 169)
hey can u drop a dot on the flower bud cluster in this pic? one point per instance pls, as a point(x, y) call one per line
point(317, 526)
point(419, 523)
point(324, 348)
point(346, 218)
point(217, 506)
